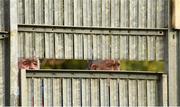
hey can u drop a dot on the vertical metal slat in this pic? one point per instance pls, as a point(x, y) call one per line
point(123, 92)
point(86, 96)
point(142, 93)
point(95, 92)
point(49, 37)
point(39, 37)
point(151, 93)
point(133, 93)
point(67, 94)
point(113, 92)
point(57, 92)
point(104, 92)
point(76, 96)
point(37, 92)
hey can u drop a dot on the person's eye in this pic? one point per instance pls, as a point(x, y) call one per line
point(25, 63)
point(109, 65)
point(117, 64)
point(35, 63)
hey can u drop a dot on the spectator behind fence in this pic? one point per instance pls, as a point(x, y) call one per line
point(104, 65)
point(28, 63)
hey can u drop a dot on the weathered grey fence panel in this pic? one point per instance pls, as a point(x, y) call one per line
point(123, 91)
point(2, 54)
point(57, 93)
point(105, 23)
point(142, 19)
point(68, 21)
point(133, 15)
point(96, 21)
point(87, 46)
point(93, 13)
point(133, 101)
point(115, 46)
point(172, 68)
point(113, 89)
point(29, 92)
point(76, 92)
point(105, 89)
point(88, 52)
point(48, 92)
point(21, 41)
point(151, 23)
point(67, 92)
point(86, 93)
point(142, 96)
point(151, 47)
point(178, 67)
point(87, 21)
point(59, 38)
point(160, 23)
point(97, 47)
point(78, 46)
point(59, 46)
point(117, 12)
point(29, 42)
point(49, 38)
point(29, 37)
point(37, 92)
point(39, 45)
point(2, 64)
point(2, 22)
point(91, 88)
point(151, 95)
point(95, 92)
point(21, 18)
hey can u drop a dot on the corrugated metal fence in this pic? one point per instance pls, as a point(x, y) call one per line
point(94, 88)
point(97, 29)
point(88, 29)
point(92, 29)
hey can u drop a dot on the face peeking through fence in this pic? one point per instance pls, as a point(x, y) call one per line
point(28, 63)
point(105, 65)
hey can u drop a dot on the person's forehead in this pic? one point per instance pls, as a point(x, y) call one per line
point(24, 59)
point(110, 61)
point(35, 60)
point(27, 59)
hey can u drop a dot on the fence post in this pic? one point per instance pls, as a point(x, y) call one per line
point(178, 53)
point(11, 49)
point(23, 86)
point(163, 92)
point(172, 69)
point(2, 74)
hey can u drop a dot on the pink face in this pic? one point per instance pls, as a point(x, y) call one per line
point(106, 65)
point(28, 64)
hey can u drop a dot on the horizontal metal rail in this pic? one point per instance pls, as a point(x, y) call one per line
point(93, 74)
point(90, 30)
point(3, 34)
